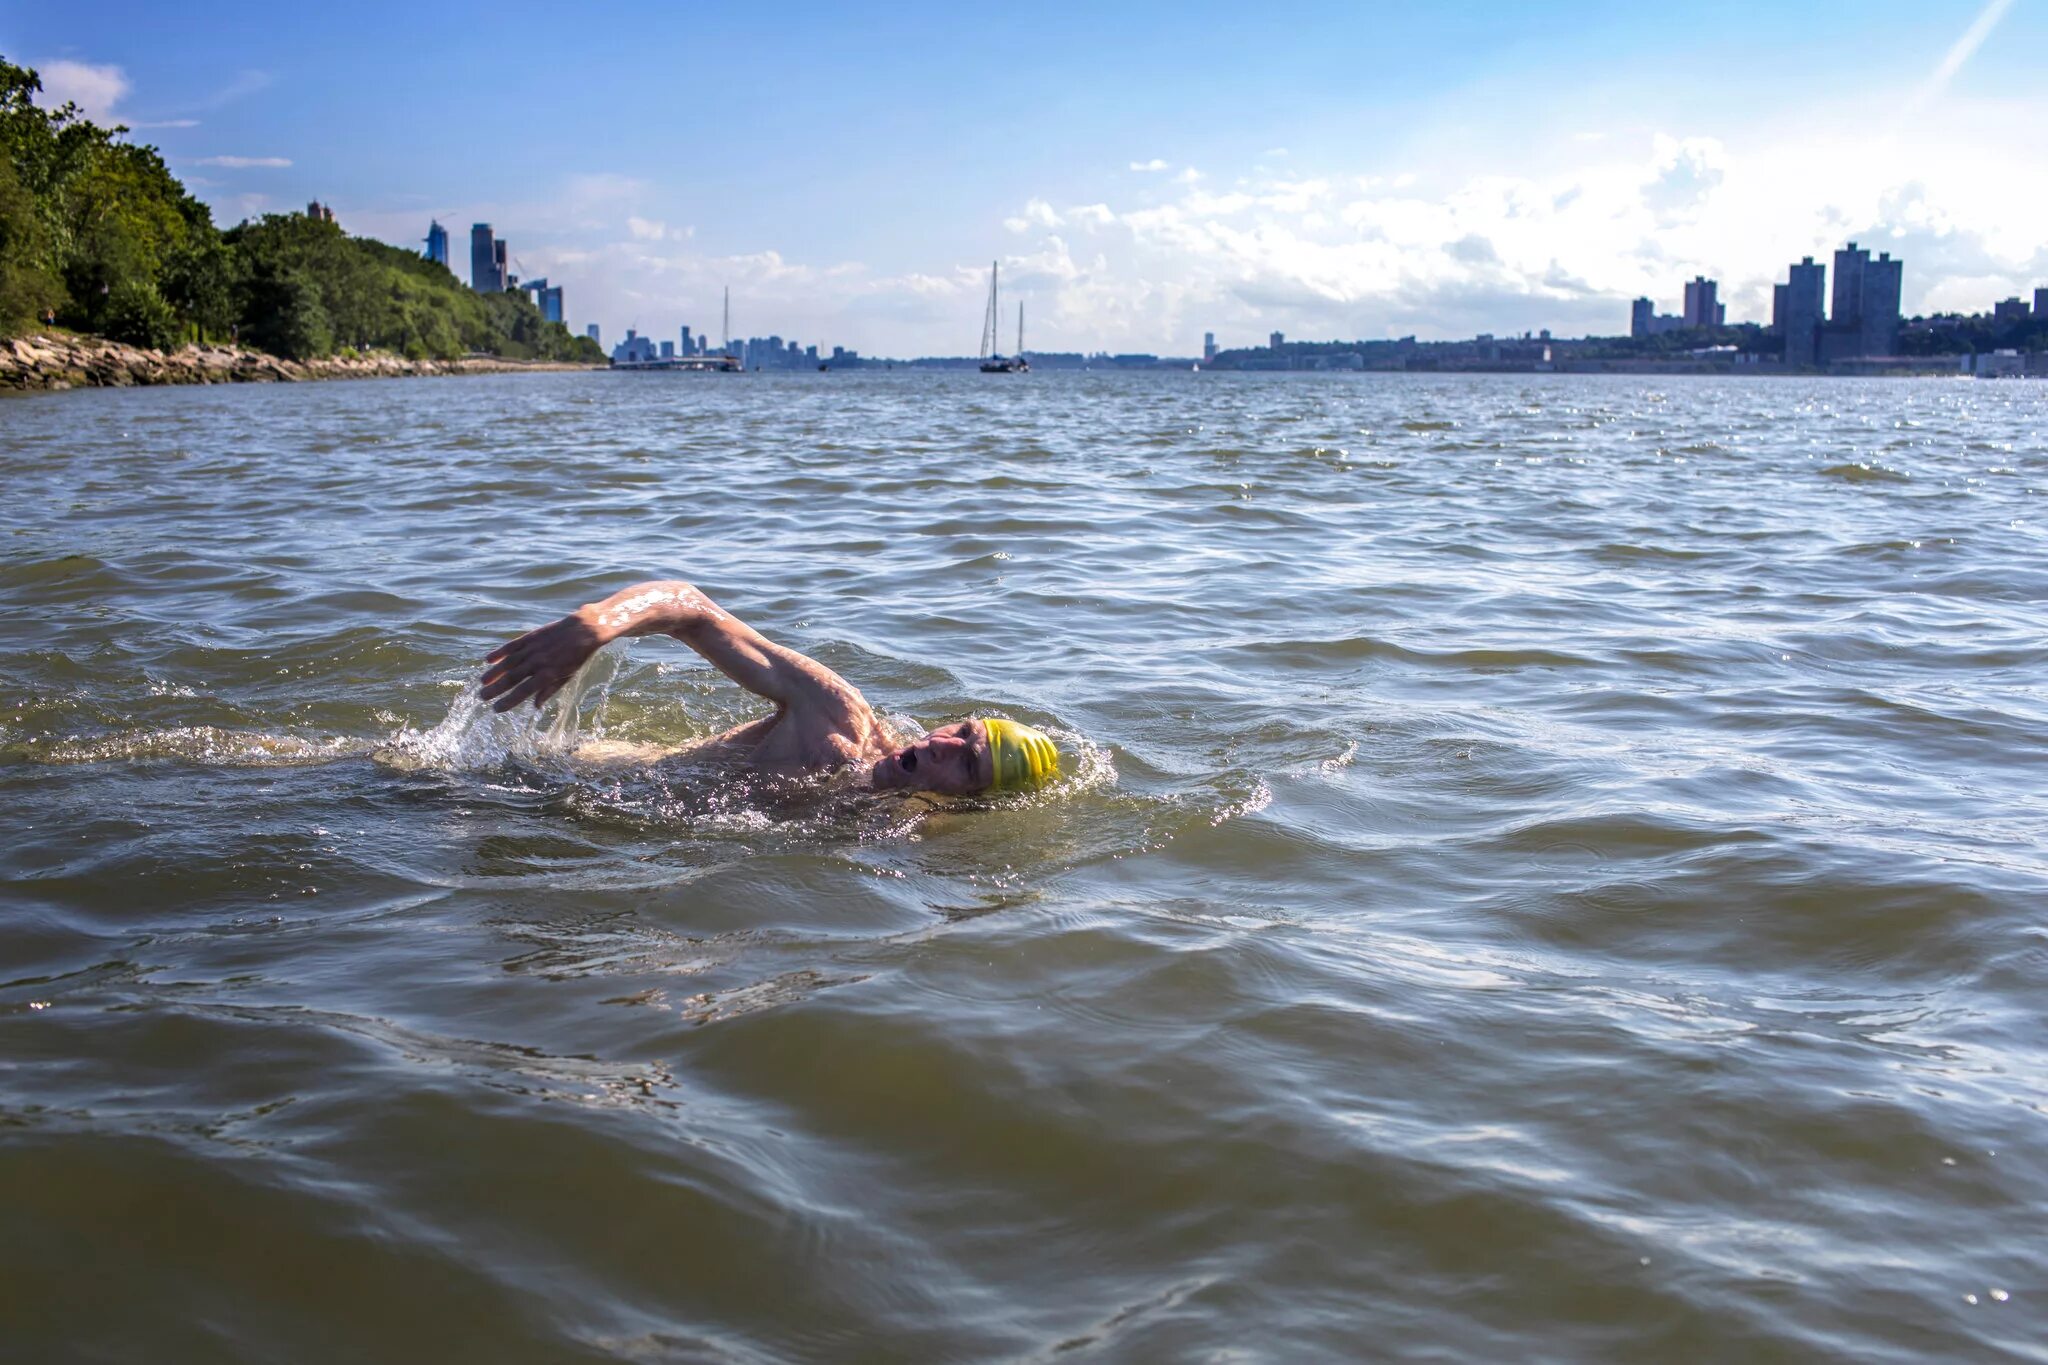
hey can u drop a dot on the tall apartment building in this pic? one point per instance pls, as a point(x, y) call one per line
point(437, 243)
point(1865, 318)
point(1804, 295)
point(1702, 302)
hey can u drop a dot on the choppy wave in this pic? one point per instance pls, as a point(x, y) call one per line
point(1542, 859)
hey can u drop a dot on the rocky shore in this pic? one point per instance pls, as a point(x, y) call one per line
point(50, 361)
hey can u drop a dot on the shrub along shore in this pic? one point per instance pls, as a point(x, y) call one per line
point(46, 361)
point(99, 238)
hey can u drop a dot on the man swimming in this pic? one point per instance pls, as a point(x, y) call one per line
point(821, 723)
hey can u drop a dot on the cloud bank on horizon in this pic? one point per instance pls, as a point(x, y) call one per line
point(1120, 249)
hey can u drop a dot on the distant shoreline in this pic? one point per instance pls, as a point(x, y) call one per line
point(47, 362)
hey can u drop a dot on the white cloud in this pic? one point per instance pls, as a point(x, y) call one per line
point(645, 229)
point(1189, 176)
point(96, 90)
point(1155, 164)
point(167, 123)
point(244, 163)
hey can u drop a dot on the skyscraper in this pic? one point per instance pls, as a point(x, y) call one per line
point(592, 332)
point(437, 243)
point(499, 250)
point(1803, 298)
point(1865, 317)
point(1702, 307)
point(1642, 318)
point(551, 303)
point(1847, 308)
point(1208, 345)
point(1883, 281)
point(486, 261)
point(2041, 303)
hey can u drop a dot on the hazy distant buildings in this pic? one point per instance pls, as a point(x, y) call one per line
point(1645, 321)
point(2041, 303)
point(319, 212)
point(1275, 342)
point(634, 347)
point(1865, 318)
point(687, 350)
point(668, 350)
point(1702, 303)
point(592, 332)
point(1799, 317)
point(2011, 310)
point(1208, 347)
point(486, 260)
point(437, 243)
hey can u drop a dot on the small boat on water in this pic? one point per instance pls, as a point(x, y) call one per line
point(991, 362)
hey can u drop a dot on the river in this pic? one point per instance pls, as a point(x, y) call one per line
point(1550, 868)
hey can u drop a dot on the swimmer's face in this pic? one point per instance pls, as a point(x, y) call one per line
point(953, 760)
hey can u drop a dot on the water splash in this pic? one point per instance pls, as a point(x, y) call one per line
point(473, 737)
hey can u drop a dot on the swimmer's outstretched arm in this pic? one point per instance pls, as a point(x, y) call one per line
point(539, 663)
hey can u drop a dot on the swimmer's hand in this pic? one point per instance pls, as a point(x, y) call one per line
point(540, 663)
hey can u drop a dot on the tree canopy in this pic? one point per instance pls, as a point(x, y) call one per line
point(96, 231)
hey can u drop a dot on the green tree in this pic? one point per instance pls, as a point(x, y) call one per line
point(27, 286)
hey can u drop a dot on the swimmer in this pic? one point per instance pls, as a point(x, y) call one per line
point(821, 723)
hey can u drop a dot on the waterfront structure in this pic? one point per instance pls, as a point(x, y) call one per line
point(486, 260)
point(1702, 303)
point(1801, 320)
point(437, 243)
point(686, 341)
point(668, 350)
point(592, 332)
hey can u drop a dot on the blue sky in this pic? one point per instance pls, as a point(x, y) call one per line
point(1146, 171)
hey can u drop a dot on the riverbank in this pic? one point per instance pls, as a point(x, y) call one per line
point(48, 361)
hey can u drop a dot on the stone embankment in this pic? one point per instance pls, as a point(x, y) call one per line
point(55, 361)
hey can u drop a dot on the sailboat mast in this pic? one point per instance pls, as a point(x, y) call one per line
point(726, 325)
point(1020, 329)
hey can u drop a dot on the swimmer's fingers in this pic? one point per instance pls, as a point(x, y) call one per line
point(515, 645)
point(497, 684)
point(527, 687)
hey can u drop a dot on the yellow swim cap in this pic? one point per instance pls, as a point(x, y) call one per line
point(1021, 756)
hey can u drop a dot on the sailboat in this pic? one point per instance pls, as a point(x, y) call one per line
point(992, 363)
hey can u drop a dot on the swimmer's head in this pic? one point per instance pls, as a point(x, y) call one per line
point(972, 756)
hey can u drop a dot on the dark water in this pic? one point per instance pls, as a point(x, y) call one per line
point(1554, 871)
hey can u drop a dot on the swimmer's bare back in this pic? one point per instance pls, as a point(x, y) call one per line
point(821, 721)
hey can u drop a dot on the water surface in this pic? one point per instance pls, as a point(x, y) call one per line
point(1552, 869)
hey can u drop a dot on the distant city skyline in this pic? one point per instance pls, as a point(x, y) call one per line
point(1356, 172)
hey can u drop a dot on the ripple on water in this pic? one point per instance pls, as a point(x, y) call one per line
point(1543, 858)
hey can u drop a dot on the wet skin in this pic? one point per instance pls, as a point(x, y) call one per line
point(821, 721)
